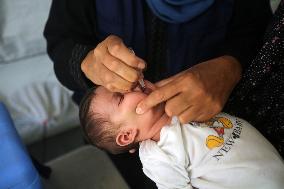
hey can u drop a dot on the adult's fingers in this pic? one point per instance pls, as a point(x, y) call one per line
point(177, 104)
point(109, 79)
point(204, 117)
point(99, 74)
point(117, 49)
point(157, 96)
point(190, 114)
point(120, 68)
point(115, 83)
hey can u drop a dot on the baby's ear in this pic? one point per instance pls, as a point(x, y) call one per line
point(126, 136)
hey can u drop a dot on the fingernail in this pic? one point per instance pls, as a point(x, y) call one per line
point(141, 65)
point(139, 110)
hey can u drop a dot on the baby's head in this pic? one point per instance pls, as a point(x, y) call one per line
point(110, 122)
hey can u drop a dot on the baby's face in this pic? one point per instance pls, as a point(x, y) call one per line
point(121, 107)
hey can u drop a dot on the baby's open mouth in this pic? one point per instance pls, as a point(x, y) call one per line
point(147, 91)
point(147, 88)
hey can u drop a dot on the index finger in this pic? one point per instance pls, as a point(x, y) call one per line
point(120, 51)
point(157, 96)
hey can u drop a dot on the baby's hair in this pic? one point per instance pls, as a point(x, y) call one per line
point(98, 128)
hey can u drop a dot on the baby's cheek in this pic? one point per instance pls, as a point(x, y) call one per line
point(149, 115)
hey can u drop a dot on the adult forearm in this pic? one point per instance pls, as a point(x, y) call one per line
point(67, 58)
point(69, 39)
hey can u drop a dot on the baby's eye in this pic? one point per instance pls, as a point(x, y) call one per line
point(121, 97)
point(118, 97)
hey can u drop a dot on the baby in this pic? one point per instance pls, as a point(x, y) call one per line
point(225, 152)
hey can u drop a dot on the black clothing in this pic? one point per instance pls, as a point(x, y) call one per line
point(259, 96)
point(71, 33)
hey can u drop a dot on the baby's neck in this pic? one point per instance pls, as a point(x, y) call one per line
point(164, 120)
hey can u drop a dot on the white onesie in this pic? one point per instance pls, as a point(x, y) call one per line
point(225, 152)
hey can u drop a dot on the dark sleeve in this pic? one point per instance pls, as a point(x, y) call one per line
point(70, 35)
point(247, 26)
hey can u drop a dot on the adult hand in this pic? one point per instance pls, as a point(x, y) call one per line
point(196, 94)
point(112, 65)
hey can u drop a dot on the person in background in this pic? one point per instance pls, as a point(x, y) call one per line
point(259, 96)
point(195, 51)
